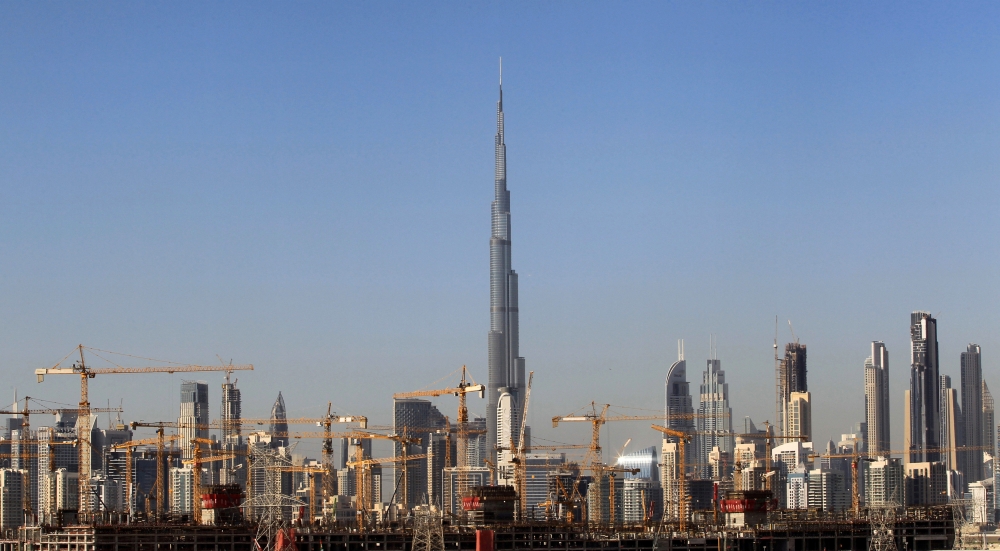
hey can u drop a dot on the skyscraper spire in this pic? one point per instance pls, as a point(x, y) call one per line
point(506, 367)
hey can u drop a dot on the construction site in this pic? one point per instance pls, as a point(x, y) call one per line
point(202, 484)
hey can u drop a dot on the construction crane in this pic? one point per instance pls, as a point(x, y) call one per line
point(682, 439)
point(196, 462)
point(129, 447)
point(856, 456)
point(363, 466)
point(464, 388)
point(593, 459)
point(160, 463)
point(309, 471)
point(25, 414)
point(85, 373)
point(768, 442)
point(360, 480)
point(520, 458)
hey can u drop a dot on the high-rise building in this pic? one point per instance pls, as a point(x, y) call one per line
point(926, 483)
point(791, 376)
point(11, 499)
point(508, 434)
point(23, 456)
point(506, 366)
point(989, 422)
point(715, 417)
point(231, 412)
point(230, 470)
point(800, 415)
point(279, 428)
point(923, 415)
point(678, 408)
point(970, 462)
point(669, 479)
point(827, 490)
point(877, 399)
point(418, 419)
point(884, 482)
point(951, 436)
point(194, 414)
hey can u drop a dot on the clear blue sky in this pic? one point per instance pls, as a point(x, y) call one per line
point(306, 187)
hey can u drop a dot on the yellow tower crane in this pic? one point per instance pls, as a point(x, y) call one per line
point(129, 448)
point(363, 483)
point(593, 461)
point(682, 438)
point(464, 387)
point(85, 373)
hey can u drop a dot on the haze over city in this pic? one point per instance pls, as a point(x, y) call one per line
point(307, 188)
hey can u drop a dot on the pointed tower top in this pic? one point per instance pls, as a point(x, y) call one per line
point(501, 71)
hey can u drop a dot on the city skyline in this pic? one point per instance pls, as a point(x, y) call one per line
point(274, 208)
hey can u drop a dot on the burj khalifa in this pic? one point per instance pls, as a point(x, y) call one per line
point(506, 364)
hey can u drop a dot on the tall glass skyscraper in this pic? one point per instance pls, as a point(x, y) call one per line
point(923, 413)
point(714, 415)
point(505, 362)
point(970, 462)
point(877, 399)
point(194, 414)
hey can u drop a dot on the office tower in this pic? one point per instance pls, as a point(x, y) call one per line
point(669, 478)
point(437, 453)
point(56, 450)
point(971, 461)
point(950, 415)
point(540, 472)
point(715, 417)
point(417, 419)
point(23, 456)
point(181, 490)
point(641, 490)
point(476, 450)
point(641, 500)
point(827, 490)
point(924, 411)
point(792, 378)
point(678, 409)
point(506, 366)
point(279, 428)
point(508, 428)
point(194, 414)
point(230, 469)
point(989, 422)
point(800, 415)
point(884, 482)
point(231, 412)
point(11, 498)
point(926, 483)
point(877, 399)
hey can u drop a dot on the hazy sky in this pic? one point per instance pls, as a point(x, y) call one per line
point(307, 186)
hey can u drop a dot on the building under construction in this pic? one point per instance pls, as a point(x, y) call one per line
point(928, 528)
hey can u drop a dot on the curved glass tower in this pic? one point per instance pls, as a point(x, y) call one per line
point(505, 363)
